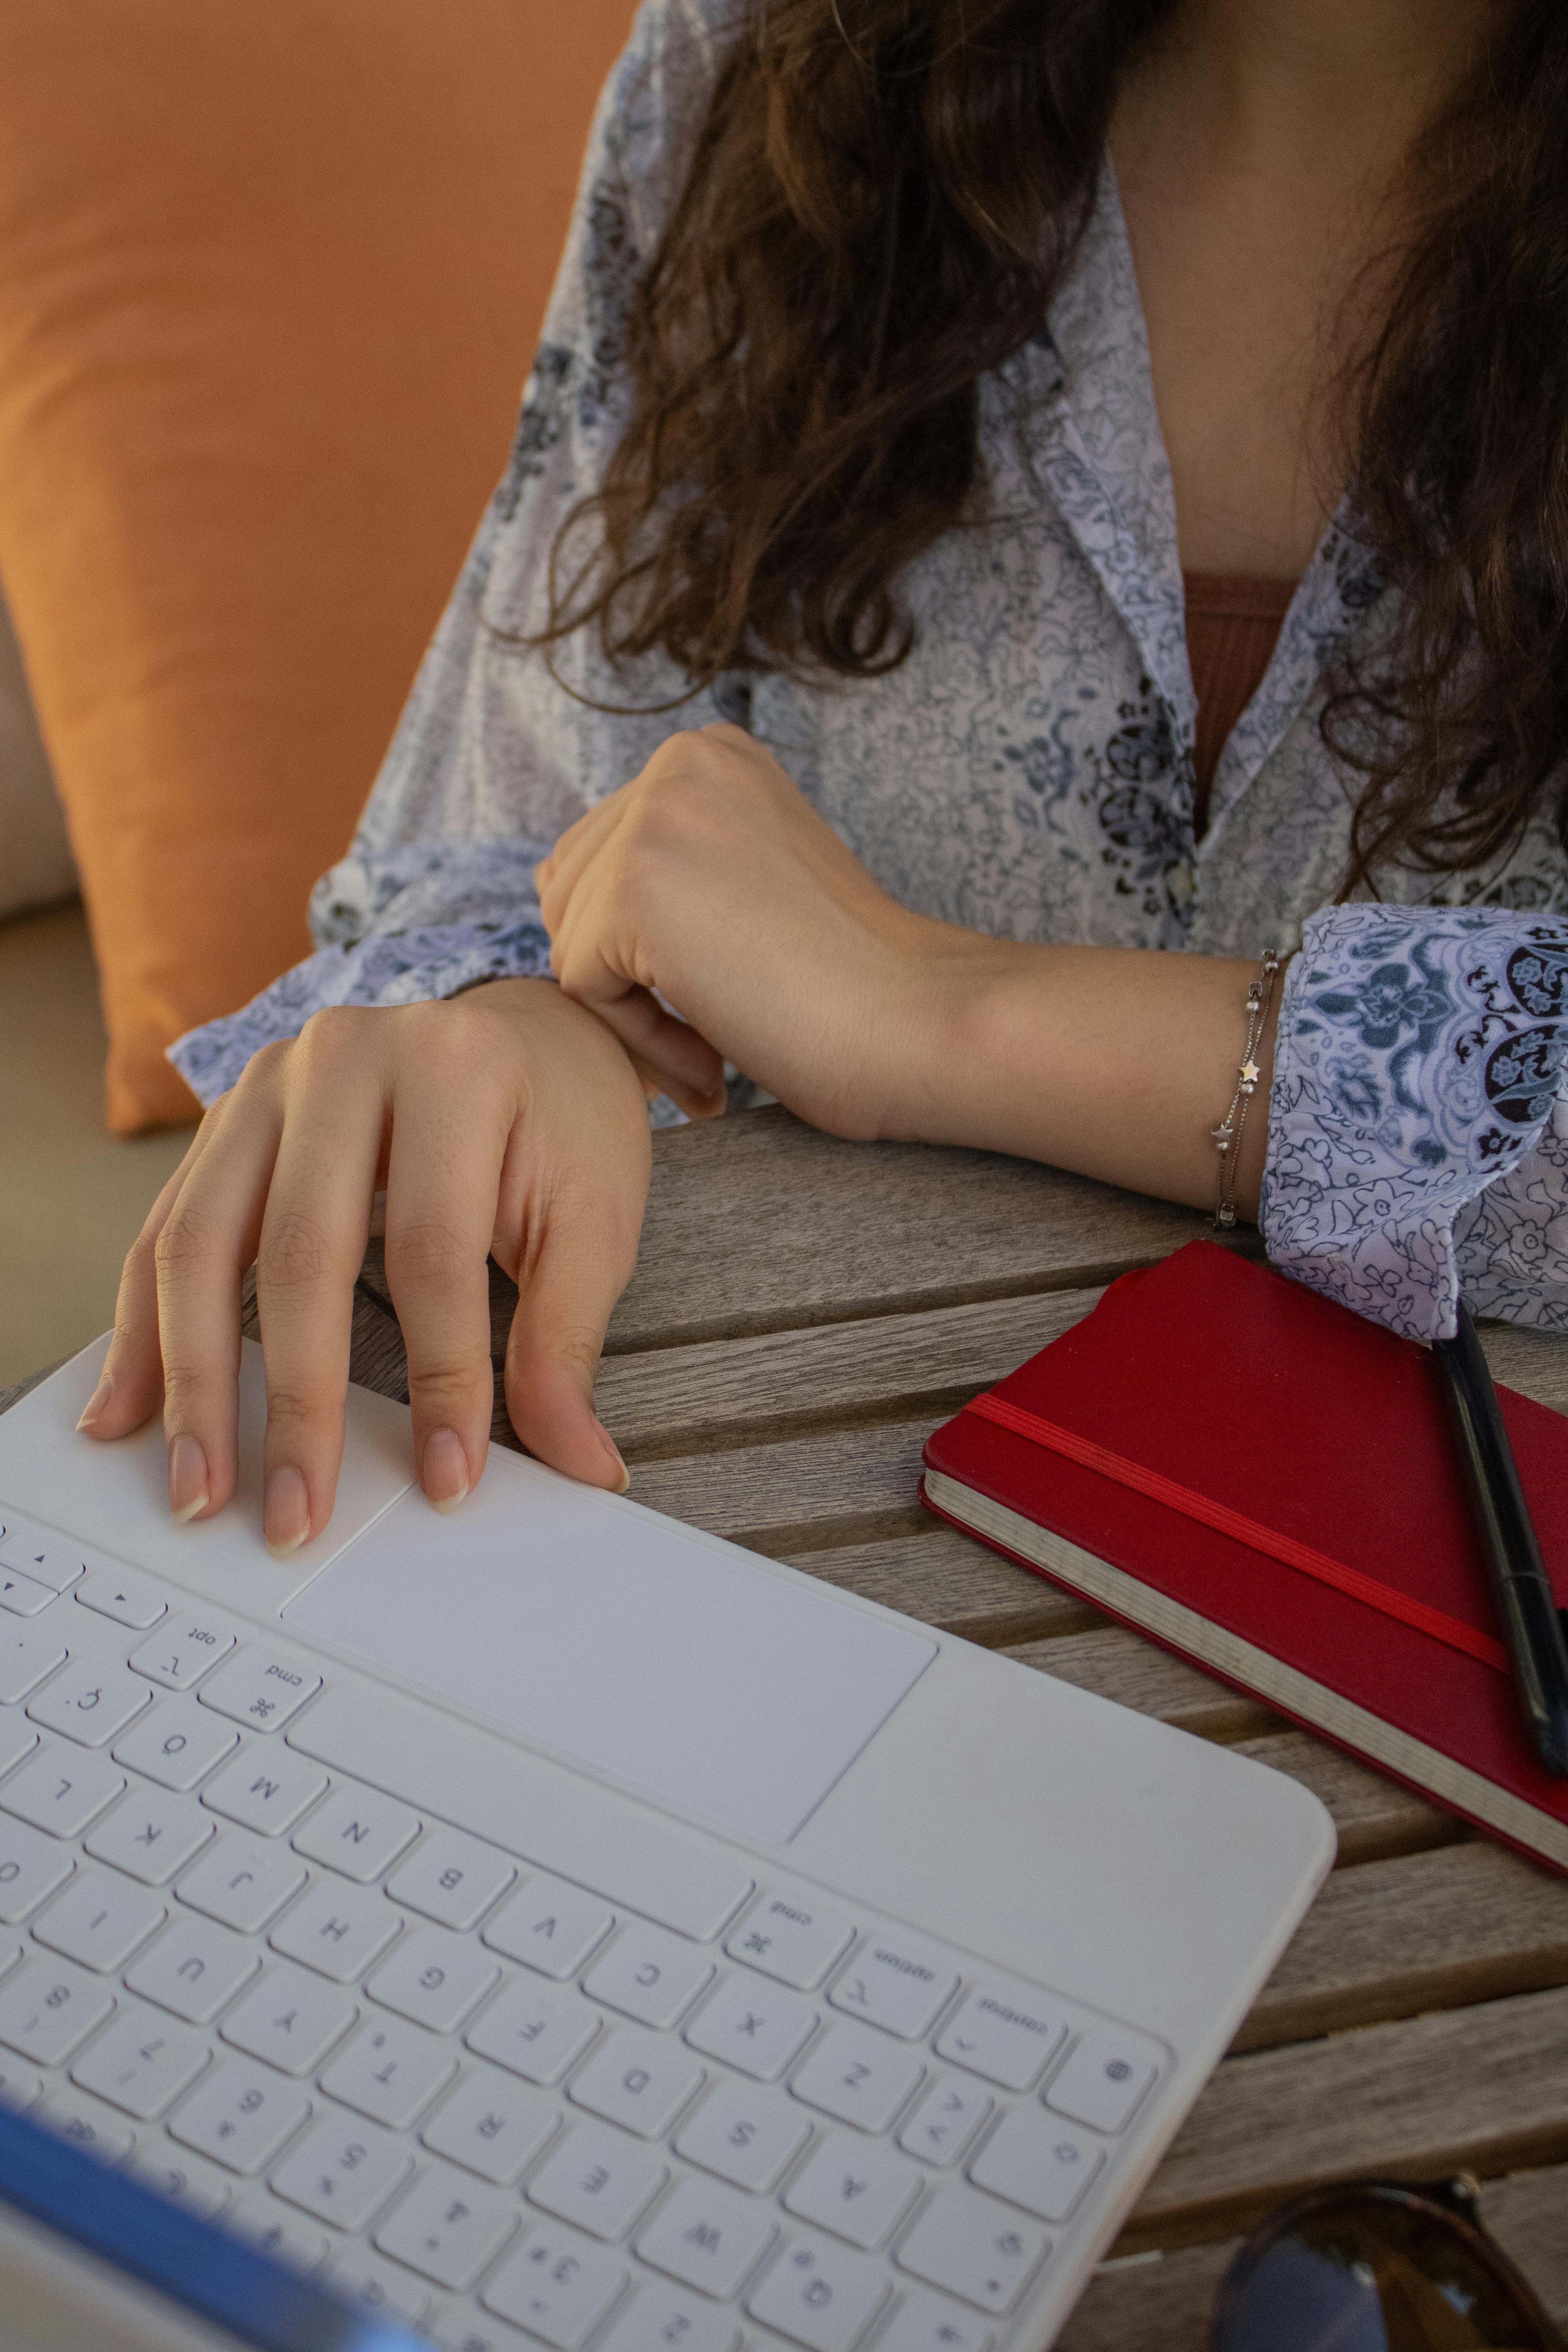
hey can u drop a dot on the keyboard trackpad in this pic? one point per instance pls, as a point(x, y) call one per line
point(614, 1636)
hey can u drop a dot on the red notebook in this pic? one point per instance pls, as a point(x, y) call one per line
point(1265, 1483)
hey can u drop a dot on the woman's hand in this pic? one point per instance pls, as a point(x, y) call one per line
point(508, 1121)
point(713, 880)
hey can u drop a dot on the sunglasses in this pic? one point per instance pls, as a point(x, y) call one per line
point(1379, 2266)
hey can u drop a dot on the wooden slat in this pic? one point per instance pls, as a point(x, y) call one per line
point(1482, 2090)
point(826, 1231)
point(1376, 1818)
point(1164, 2303)
point(849, 1486)
point(955, 1583)
point(669, 1399)
point(1424, 1931)
point(1121, 1665)
point(1534, 1363)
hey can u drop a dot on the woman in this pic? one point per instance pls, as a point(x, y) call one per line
point(825, 664)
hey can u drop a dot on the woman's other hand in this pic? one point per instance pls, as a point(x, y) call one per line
point(507, 1122)
point(713, 880)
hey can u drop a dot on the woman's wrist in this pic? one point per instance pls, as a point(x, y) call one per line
point(1116, 1063)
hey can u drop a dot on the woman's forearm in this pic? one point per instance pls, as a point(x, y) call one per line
point(1115, 1062)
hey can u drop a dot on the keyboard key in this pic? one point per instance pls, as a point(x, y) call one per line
point(241, 2114)
point(452, 1879)
point(195, 1968)
point(744, 2134)
point(1038, 2161)
point(556, 2284)
point(1004, 2036)
point(265, 1789)
point(550, 1926)
point(390, 2072)
point(626, 1853)
point(17, 1738)
point(639, 2081)
point(357, 1831)
point(377, 2286)
point(19, 2086)
point(242, 1882)
point(458, 2327)
point(658, 2317)
point(265, 2221)
point(48, 2008)
point(27, 1652)
point(941, 2127)
point(337, 1930)
point(120, 1593)
point(796, 1941)
point(649, 1974)
point(597, 2178)
point(344, 2170)
point(754, 2029)
point(260, 1690)
point(61, 1790)
point(31, 1866)
point(292, 2019)
point(86, 2124)
point(1103, 2079)
point(492, 2126)
point(534, 2029)
point(898, 1981)
point(23, 1596)
point(184, 2179)
point(708, 2236)
point(818, 2296)
point(90, 1701)
point(974, 2248)
point(175, 1744)
point(98, 1921)
point(447, 2229)
point(434, 1978)
point(152, 1836)
point(928, 2322)
point(46, 1558)
point(142, 2062)
point(857, 2076)
point(856, 2188)
point(179, 1653)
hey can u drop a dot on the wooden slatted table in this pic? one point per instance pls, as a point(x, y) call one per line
point(803, 1313)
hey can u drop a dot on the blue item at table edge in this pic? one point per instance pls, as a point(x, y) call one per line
point(203, 2269)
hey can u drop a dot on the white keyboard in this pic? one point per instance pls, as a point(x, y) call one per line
point(554, 2084)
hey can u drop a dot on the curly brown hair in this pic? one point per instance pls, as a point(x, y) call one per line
point(885, 196)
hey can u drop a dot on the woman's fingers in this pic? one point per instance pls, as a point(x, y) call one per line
point(557, 875)
point(566, 1301)
point(308, 1255)
point(451, 1121)
point(681, 1061)
point(207, 1240)
point(131, 1388)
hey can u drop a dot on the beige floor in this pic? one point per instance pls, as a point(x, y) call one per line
point(72, 1196)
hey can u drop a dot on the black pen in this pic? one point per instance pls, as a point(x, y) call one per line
point(1532, 1623)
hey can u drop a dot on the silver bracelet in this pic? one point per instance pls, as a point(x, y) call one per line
point(1228, 1134)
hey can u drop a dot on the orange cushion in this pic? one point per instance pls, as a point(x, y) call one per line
point(269, 281)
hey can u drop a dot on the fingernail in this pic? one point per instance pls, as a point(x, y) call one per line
point(94, 1406)
point(444, 1469)
point(190, 1488)
point(623, 1477)
point(286, 1513)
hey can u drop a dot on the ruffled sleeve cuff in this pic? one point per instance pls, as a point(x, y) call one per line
point(399, 968)
point(1418, 1122)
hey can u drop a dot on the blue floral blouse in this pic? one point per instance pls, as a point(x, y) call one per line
point(1029, 772)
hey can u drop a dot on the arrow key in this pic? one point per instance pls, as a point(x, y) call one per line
point(119, 1593)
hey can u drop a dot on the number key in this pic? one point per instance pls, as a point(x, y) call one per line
point(48, 2006)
